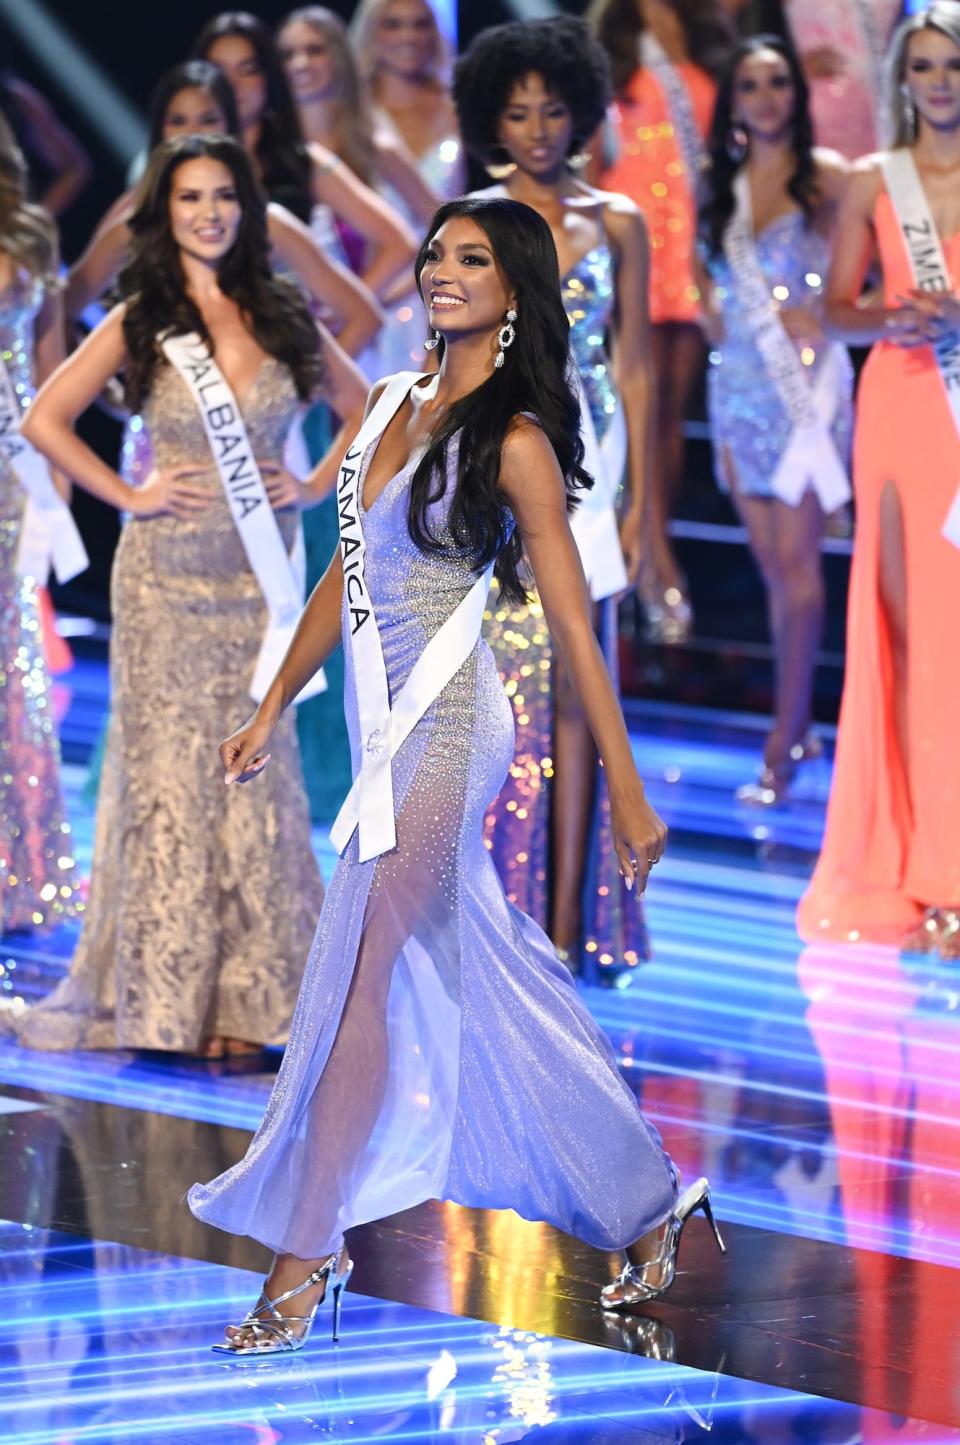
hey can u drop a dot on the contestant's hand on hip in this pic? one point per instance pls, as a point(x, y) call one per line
point(168, 491)
point(283, 489)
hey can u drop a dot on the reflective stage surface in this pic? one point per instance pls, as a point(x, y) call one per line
point(818, 1088)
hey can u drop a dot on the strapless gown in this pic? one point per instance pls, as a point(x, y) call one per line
point(439, 1049)
point(202, 897)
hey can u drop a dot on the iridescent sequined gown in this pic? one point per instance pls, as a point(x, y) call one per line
point(202, 898)
point(751, 428)
point(37, 876)
point(438, 1050)
point(517, 825)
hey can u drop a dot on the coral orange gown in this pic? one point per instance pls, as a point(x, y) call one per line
point(892, 844)
point(650, 170)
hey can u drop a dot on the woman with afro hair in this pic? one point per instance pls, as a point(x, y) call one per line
point(664, 58)
point(528, 96)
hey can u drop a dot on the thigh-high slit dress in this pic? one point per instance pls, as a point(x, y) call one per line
point(438, 1049)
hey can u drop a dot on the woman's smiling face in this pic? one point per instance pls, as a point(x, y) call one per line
point(463, 286)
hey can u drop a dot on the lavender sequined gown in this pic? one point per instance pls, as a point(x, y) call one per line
point(438, 1049)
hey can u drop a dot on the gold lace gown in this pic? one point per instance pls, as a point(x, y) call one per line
point(203, 898)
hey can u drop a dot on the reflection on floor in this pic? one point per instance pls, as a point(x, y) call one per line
point(109, 1343)
point(818, 1088)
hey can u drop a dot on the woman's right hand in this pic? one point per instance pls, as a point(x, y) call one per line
point(244, 753)
point(915, 323)
point(167, 492)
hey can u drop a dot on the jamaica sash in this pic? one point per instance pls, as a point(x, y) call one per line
point(384, 723)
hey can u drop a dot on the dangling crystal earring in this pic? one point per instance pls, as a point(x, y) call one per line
point(737, 143)
point(505, 337)
point(909, 112)
point(433, 342)
point(579, 160)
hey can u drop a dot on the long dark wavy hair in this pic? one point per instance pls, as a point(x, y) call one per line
point(192, 75)
point(285, 165)
point(718, 201)
point(152, 281)
point(618, 26)
point(533, 379)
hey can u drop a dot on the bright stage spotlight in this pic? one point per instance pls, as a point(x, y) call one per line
point(119, 125)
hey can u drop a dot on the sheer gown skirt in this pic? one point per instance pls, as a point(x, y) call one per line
point(439, 1049)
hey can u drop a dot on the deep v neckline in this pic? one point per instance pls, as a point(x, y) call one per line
point(415, 453)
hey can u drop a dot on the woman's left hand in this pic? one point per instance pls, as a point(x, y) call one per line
point(639, 834)
point(283, 489)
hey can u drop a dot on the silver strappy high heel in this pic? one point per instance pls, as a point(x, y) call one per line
point(630, 1286)
point(274, 1333)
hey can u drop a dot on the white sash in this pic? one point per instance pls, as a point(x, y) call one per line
point(811, 457)
point(48, 532)
point(594, 522)
point(875, 45)
point(383, 728)
point(679, 104)
point(275, 570)
point(929, 267)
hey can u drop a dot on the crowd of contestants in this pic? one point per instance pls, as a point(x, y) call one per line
point(650, 136)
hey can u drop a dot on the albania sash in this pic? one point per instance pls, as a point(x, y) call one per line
point(274, 568)
point(811, 457)
point(48, 532)
point(929, 267)
point(384, 723)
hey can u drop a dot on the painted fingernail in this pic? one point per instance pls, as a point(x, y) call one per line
point(629, 882)
point(229, 778)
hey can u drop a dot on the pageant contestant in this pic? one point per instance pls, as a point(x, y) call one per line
point(530, 93)
point(335, 110)
point(890, 866)
point(195, 99)
point(298, 174)
point(201, 902)
point(439, 1050)
point(36, 862)
point(404, 60)
point(778, 391)
point(663, 56)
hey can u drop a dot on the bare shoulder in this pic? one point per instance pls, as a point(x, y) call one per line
point(375, 393)
point(833, 172)
point(529, 469)
point(322, 157)
point(866, 180)
point(623, 220)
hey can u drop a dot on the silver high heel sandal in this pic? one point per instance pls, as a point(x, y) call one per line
point(274, 1333)
point(630, 1286)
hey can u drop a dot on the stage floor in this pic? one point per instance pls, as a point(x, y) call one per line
point(818, 1088)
